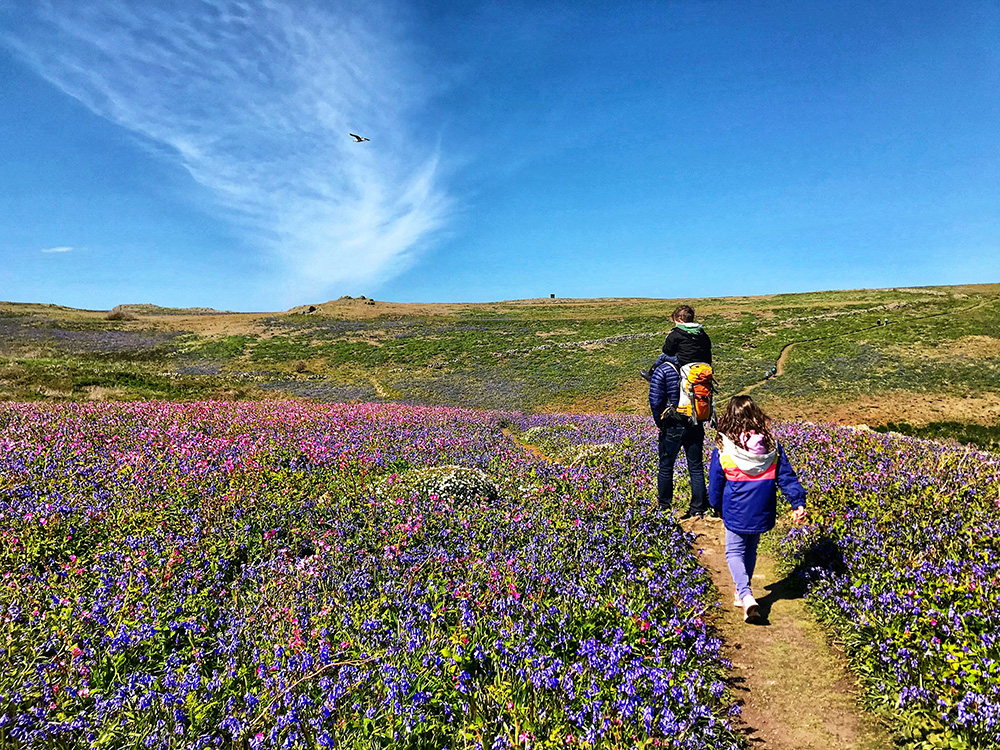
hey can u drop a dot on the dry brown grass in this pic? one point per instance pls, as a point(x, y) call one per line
point(973, 347)
point(100, 393)
point(896, 406)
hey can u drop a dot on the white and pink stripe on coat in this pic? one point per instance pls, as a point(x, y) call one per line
point(753, 464)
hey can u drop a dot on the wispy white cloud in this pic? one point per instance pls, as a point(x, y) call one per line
point(256, 100)
point(59, 249)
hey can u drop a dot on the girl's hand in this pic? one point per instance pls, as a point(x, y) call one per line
point(799, 515)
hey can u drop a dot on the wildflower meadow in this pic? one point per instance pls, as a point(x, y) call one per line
point(262, 575)
point(903, 560)
point(277, 575)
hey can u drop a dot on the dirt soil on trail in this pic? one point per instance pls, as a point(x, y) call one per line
point(793, 688)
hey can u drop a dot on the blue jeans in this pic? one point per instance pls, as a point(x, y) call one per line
point(741, 554)
point(672, 438)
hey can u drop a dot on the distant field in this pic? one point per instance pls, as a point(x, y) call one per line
point(937, 360)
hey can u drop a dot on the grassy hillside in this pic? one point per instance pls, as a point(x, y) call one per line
point(937, 360)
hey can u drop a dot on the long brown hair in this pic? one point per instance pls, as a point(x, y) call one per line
point(743, 416)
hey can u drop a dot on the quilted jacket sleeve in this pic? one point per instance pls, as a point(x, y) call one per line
point(664, 388)
point(716, 482)
point(788, 481)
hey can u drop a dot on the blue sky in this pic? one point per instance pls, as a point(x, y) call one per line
point(195, 152)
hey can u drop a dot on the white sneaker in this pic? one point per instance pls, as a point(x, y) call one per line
point(750, 609)
point(737, 601)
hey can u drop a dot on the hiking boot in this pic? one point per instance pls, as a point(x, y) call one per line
point(751, 611)
point(691, 514)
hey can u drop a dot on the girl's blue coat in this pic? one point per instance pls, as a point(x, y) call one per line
point(750, 507)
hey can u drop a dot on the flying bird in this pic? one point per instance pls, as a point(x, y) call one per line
point(357, 138)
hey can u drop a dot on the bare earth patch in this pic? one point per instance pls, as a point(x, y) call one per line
point(557, 332)
point(973, 347)
point(214, 325)
point(100, 393)
point(892, 406)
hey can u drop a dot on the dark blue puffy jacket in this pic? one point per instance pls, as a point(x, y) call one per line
point(664, 388)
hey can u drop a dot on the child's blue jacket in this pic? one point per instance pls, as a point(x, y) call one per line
point(746, 496)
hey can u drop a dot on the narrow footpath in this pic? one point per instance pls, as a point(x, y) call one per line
point(794, 690)
point(783, 356)
point(778, 370)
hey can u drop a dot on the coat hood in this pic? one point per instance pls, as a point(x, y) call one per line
point(689, 327)
point(746, 461)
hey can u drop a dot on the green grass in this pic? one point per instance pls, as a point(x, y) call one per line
point(227, 347)
point(539, 355)
point(72, 379)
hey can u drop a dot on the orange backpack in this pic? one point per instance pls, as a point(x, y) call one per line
point(697, 401)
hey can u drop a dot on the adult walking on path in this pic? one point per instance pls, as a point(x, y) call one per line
point(676, 432)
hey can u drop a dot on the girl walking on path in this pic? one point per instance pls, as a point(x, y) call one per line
point(747, 468)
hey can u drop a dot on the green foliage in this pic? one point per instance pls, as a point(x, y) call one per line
point(547, 355)
point(282, 349)
point(227, 347)
point(901, 559)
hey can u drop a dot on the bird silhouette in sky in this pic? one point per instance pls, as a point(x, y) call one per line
point(357, 138)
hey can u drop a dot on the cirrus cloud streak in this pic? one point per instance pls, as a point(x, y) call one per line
point(255, 100)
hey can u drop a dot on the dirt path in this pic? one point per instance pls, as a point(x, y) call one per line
point(795, 692)
point(780, 366)
point(534, 450)
point(783, 356)
point(779, 369)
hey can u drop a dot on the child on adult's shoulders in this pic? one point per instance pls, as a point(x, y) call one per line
point(687, 341)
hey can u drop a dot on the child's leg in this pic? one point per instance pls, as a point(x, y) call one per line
point(750, 554)
point(736, 546)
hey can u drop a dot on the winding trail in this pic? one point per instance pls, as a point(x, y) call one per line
point(779, 367)
point(783, 356)
point(794, 690)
